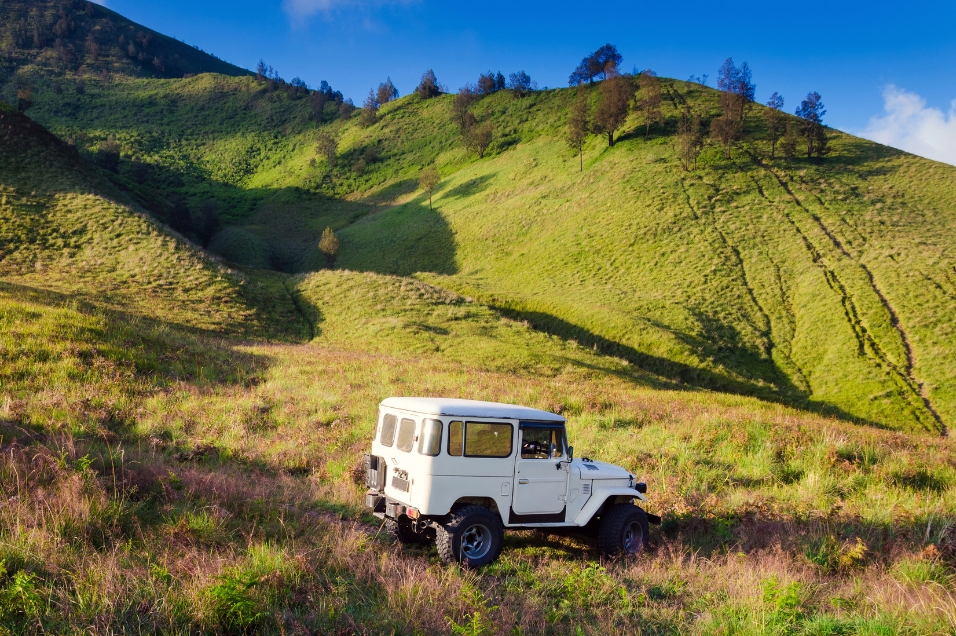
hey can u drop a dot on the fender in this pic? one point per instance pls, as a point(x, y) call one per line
point(598, 497)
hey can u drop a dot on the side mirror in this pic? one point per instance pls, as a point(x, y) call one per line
point(570, 453)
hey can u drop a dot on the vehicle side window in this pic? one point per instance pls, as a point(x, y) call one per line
point(535, 443)
point(429, 442)
point(488, 439)
point(542, 443)
point(387, 437)
point(406, 435)
point(455, 440)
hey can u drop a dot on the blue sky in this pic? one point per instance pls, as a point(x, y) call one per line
point(886, 70)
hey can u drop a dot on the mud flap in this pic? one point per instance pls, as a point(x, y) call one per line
point(653, 519)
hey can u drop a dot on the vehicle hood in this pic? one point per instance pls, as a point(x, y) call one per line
point(599, 470)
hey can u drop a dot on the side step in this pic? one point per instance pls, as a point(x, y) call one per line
point(653, 519)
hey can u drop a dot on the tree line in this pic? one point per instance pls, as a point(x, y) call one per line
point(620, 94)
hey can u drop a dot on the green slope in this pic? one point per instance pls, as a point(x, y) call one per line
point(74, 39)
point(823, 285)
point(66, 229)
point(829, 285)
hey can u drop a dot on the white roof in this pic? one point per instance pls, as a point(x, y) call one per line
point(469, 408)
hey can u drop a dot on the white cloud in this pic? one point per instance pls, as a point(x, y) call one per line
point(304, 9)
point(909, 125)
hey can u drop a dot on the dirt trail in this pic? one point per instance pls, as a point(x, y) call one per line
point(907, 374)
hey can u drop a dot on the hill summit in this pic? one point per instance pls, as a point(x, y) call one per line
point(81, 39)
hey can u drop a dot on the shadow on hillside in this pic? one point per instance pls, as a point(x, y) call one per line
point(160, 355)
point(309, 311)
point(412, 238)
point(679, 372)
point(776, 388)
point(289, 220)
point(468, 188)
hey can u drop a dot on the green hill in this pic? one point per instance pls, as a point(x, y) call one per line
point(73, 39)
point(66, 229)
point(826, 286)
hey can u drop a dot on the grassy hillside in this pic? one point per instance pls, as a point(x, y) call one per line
point(827, 286)
point(66, 229)
point(74, 39)
point(797, 283)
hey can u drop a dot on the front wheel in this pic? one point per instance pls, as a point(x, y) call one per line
point(472, 536)
point(623, 530)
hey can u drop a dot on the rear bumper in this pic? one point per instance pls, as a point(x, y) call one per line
point(383, 506)
point(376, 502)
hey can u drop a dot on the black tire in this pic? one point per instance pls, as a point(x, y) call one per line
point(472, 536)
point(402, 531)
point(623, 530)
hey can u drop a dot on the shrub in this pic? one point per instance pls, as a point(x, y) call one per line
point(18, 595)
point(234, 607)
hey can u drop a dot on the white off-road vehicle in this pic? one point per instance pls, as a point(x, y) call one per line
point(460, 471)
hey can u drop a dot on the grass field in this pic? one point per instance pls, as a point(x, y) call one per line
point(155, 480)
point(768, 347)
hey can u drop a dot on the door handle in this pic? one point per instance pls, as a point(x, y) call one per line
point(522, 481)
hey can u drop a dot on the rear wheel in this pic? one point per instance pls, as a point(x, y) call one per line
point(472, 536)
point(623, 530)
point(402, 531)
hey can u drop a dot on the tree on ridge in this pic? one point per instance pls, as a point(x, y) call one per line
point(774, 117)
point(811, 111)
point(386, 92)
point(521, 84)
point(737, 89)
point(596, 66)
point(428, 87)
point(369, 110)
point(614, 96)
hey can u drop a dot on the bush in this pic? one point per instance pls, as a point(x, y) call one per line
point(18, 595)
point(233, 605)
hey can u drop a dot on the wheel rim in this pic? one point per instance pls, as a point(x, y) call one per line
point(476, 541)
point(633, 537)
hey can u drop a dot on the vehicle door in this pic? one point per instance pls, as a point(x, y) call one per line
point(541, 478)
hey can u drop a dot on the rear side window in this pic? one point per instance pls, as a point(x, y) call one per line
point(388, 430)
point(488, 439)
point(455, 439)
point(429, 443)
point(406, 435)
